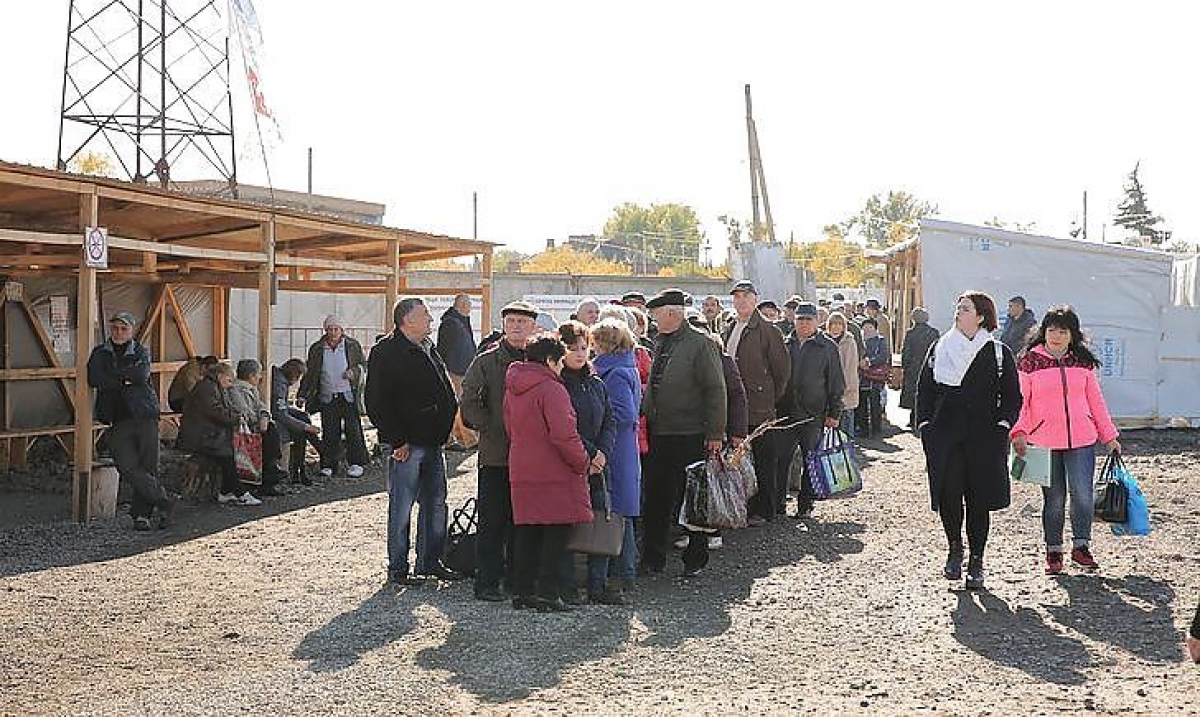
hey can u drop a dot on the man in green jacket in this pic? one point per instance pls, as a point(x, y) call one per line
point(482, 406)
point(685, 407)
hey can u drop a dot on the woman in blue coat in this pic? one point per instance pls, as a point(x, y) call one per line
point(613, 343)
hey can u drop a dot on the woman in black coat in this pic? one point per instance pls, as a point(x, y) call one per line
point(968, 397)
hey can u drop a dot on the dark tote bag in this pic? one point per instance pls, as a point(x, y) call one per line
point(460, 539)
point(1112, 496)
point(604, 535)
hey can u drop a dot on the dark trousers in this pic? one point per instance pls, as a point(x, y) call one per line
point(493, 540)
point(340, 417)
point(874, 412)
point(771, 483)
point(808, 437)
point(954, 493)
point(538, 559)
point(786, 441)
point(669, 459)
point(134, 448)
point(300, 440)
point(272, 448)
point(231, 481)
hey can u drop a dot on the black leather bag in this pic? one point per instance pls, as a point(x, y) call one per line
point(1112, 497)
point(460, 539)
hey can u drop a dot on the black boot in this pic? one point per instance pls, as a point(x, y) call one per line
point(299, 475)
point(975, 573)
point(954, 560)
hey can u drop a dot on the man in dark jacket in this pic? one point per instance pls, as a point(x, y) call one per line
point(1018, 325)
point(916, 345)
point(686, 413)
point(119, 370)
point(332, 386)
point(762, 360)
point(816, 389)
point(411, 403)
point(295, 427)
point(456, 344)
point(483, 410)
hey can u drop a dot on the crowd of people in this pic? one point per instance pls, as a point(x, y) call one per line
point(609, 409)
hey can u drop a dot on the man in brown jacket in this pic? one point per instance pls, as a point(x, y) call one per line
point(757, 345)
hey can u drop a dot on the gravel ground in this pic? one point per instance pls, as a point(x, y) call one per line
point(281, 610)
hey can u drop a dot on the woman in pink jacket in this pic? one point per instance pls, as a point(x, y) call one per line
point(547, 471)
point(1064, 411)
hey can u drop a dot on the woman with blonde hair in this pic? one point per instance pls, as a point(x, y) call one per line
point(835, 329)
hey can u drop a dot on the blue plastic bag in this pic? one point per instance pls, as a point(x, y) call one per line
point(1138, 522)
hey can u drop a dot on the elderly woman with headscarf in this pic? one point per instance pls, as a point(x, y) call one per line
point(916, 344)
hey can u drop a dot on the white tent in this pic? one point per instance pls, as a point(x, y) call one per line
point(1148, 347)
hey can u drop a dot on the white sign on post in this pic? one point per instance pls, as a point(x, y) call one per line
point(95, 247)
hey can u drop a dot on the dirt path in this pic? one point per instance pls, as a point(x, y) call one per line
point(286, 615)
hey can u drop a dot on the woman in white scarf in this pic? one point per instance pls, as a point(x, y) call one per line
point(968, 396)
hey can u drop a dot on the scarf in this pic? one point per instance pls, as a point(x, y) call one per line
point(954, 354)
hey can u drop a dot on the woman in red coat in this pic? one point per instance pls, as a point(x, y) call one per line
point(547, 468)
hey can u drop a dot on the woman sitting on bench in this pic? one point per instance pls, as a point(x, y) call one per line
point(209, 420)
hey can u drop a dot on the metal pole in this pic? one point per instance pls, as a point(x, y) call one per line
point(1085, 215)
point(137, 174)
point(164, 170)
point(310, 171)
point(474, 215)
point(62, 115)
point(233, 183)
point(753, 168)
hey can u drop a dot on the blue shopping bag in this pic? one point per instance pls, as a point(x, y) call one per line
point(1138, 520)
point(832, 468)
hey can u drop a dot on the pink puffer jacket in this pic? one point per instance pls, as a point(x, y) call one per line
point(1063, 406)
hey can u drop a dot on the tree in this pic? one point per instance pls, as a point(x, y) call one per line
point(93, 163)
point(834, 260)
point(889, 220)
point(565, 260)
point(999, 223)
point(507, 261)
point(1134, 213)
point(664, 234)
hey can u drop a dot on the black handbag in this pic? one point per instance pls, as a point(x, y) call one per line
point(1112, 497)
point(460, 539)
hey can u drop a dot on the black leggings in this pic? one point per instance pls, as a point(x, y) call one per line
point(954, 494)
point(538, 559)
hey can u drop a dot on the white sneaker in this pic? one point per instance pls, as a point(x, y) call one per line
point(354, 471)
point(715, 543)
point(681, 543)
point(226, 498)
point(248, 498)
point(325, 472)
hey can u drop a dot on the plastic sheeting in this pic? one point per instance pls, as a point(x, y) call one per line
point(1119, 292)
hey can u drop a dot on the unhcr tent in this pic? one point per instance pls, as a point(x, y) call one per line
point(1149, 348)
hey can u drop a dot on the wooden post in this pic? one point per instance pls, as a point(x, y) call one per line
point(485, 308)
point(393, 284)
point(265, 275)
point(220, 323)
point(85, 311)
point(160, 343)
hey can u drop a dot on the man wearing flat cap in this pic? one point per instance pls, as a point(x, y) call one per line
point(119, 370)
point(333, 386)
point(483, 410)
point(757, 346)
point(685, 409)
point(815, 393)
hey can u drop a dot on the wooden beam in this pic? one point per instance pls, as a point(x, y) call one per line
point(185, 333)
point(47, 351)
point(81, 484)
point(393, 284)
point(266, 275)
point(485, 309)
point(324, 241)
point(68, 372)
point(152, 318)
point(431, 255)
point(59, 239)
point(198, 206)
point(220, 322)
point(332, 265)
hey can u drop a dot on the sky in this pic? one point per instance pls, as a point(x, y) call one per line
point(557, 112)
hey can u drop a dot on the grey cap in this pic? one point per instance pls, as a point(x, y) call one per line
point(806, 309)
point(744, 285)
point(123, 317)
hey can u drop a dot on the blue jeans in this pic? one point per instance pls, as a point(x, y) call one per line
point(422, 480)
point(1069, 469)
point(600, 567)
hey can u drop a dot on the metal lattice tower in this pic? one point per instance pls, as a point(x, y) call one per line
point(147, 83)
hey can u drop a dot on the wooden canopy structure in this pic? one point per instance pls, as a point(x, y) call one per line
point(902, 285)
point(168, 238)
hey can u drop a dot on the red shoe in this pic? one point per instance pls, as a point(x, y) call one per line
point(1083, 558)
point(1054, 563)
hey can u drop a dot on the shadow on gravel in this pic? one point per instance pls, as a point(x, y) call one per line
point(1133, 614)
point(343, 641)
point(32, 548)
point(501, 655)
point(987, 625)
